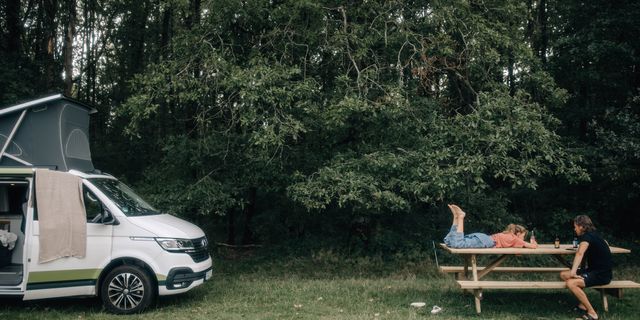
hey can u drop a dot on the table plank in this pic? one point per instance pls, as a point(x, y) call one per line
point(460, 269)
point(565, 249)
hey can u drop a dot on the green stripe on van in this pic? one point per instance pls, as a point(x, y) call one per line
point(64, 275)
point(61, 284)
point(20, 171)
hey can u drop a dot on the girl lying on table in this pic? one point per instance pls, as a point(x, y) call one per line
point(511, 237)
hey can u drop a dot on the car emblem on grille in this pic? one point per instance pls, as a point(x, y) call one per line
point(204, 242)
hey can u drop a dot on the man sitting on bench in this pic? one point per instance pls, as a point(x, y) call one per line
point(599, 261)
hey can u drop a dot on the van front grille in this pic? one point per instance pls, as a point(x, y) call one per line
point(199, 252)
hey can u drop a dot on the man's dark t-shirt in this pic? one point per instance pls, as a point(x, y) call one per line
point(598, 254)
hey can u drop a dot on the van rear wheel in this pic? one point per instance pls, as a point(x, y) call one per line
point(127, 289)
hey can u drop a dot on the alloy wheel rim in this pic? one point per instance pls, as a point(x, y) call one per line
point(126, 291)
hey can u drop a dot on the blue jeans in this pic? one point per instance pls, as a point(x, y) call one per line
point(455, 239)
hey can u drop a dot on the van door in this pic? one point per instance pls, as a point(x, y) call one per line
point(71, 276)
point(14, 192)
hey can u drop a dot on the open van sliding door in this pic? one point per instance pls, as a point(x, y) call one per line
point(14, 192)
point(71, 276)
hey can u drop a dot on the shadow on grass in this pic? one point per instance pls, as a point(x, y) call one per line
point(62, 305)
point(518, 304)
point(68, 307)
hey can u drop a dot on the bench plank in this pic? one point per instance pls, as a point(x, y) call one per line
point(477, 287)
point(466, 284)
point(619, 284)
point(459, 269)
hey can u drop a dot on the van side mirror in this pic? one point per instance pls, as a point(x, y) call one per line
point(109, 219)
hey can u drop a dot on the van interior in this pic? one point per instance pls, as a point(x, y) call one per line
point(13, 206)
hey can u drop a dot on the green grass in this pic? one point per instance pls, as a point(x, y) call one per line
point(326, 286)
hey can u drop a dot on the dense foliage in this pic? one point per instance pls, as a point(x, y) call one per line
point(349, 124)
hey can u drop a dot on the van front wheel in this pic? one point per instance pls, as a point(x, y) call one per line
point(127, 289)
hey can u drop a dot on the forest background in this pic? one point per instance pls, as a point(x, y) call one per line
point(348, 125)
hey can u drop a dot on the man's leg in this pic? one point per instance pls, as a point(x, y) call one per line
point(565, 275)
point(576, 287)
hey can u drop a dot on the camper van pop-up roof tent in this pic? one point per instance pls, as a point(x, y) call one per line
point(49, 132)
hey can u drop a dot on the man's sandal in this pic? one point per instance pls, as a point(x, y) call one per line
point(587, 316)
point(579, 310)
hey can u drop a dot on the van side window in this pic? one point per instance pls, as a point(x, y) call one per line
point(92, 206)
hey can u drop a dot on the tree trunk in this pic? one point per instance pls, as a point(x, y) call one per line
point(531, 23)
point(166, 33)
point(544, 37)
point(68, 47)
point(92, 52)
point(191, 110)
point(231, 227)
point(512, 78)
point(249, 212)
point(137, 60)
point(167, 28)
point(193, 16)
point(49, 27)
point(14, 29)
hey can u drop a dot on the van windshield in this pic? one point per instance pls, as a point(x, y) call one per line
point(126, 199)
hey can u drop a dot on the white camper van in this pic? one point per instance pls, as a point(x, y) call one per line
point(130, 252)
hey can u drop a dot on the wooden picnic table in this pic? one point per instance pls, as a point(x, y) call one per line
point(470, 255)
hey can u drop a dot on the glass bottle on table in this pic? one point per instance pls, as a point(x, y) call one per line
point(575, 242)
point(556, 244)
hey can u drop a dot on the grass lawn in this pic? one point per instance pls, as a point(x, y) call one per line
point(326, 287)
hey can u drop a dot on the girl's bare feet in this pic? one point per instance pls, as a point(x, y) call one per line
point(454, 212)
point(458, 211)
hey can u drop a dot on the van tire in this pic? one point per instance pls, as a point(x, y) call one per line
point(127, 289)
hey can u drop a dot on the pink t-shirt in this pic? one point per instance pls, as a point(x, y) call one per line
point(507, 240)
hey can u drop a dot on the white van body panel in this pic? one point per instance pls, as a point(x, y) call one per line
point(70, 269)
point(165, 225)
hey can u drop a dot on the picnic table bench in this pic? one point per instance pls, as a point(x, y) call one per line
point(468, 276)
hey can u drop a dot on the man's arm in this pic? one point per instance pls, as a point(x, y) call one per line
point(577, 260)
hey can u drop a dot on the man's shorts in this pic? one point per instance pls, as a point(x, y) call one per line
point(595, 277)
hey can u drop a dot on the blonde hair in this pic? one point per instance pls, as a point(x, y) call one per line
point(515, 229)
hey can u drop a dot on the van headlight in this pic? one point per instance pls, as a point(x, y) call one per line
point(175, 245)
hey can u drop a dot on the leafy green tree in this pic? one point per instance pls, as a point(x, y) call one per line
point(363, 109)
point(349, 121)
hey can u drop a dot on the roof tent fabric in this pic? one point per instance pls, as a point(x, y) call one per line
point(50, 132)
